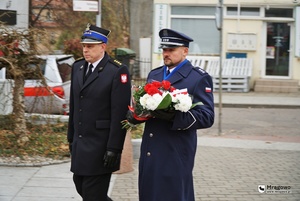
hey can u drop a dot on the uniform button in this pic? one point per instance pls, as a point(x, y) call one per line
point(148, 154)
point(80, 136)
point(79, 123)
point(81, 96)
point(80, 110)
point(151, 134)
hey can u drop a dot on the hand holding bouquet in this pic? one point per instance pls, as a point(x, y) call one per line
point(158, 99)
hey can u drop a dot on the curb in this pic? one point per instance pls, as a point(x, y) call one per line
point(253, 105)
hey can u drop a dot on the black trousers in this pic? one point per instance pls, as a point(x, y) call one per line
point(92, 188)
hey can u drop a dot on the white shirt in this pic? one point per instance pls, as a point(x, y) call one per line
point(94, 65)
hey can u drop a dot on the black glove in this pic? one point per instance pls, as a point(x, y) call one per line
point(70, 147)
point(130, 118)
point(167, 115)
point(111, 159)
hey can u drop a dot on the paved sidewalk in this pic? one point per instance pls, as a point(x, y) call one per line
point(232, 169)
point(225, 169)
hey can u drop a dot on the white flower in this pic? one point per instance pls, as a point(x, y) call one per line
point(150, 102)
point(143, 100)
point(183, 102)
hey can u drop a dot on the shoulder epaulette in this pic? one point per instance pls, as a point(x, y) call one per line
point(80, 59)
point(115, 61)
point(200, 70)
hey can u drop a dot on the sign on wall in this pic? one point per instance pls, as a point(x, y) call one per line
point(241, 41)
point(297, 35)
point(160, 22)
point(85, 5)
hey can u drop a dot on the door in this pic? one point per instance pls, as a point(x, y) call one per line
point(278, 49)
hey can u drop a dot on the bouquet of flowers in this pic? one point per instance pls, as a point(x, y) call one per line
point(157, 96)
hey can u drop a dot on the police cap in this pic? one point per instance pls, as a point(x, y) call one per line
point(94, 34)
point(171, 39)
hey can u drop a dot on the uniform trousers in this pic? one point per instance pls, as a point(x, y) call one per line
point(92, 188)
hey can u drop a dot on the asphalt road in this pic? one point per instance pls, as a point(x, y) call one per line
point(272, 124)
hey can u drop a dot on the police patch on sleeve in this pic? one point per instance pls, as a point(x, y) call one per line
point(124, 78)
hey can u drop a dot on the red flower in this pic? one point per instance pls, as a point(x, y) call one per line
point(151, 88)
point(166, 85)
point(156, 84)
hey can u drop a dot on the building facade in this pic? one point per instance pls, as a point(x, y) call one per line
point(266, 31)
point(15, 13)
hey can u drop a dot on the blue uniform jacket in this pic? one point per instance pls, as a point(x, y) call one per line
point(168, 148)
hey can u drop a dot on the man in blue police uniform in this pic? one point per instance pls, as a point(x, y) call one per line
point(170, 138)
point(99, 98)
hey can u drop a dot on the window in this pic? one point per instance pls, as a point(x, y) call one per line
point(8, 17)
point(279, 12)
point(65, 67)
point(244, 11)
point(199, 24)
point(48, 16)
point(34, 73)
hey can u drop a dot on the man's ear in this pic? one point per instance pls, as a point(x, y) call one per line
point(185, 51)
point(103, 45)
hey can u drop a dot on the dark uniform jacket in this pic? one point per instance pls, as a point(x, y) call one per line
point(168, 148)
point(97, 108)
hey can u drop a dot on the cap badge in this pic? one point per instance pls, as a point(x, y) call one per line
point(88, 27)
point(165, 32)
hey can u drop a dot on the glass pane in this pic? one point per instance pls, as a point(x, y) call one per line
point(65, 67)
point(231, 10)
point(203, 31)
point(195, 10)
point(35, 74)
point(250, 11)
point(279, 12)
point(278, 45)
point(245, 11)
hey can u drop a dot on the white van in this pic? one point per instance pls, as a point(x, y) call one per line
point(53, 98)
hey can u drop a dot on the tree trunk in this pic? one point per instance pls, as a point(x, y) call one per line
point(20, 129)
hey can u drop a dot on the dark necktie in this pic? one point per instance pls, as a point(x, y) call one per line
point(168, 72)
point(89, 72)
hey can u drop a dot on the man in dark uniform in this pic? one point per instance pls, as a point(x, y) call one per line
point(170, 138)
point(99, 98)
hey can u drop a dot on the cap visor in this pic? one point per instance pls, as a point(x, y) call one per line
point(89, 40)
point(169, 46)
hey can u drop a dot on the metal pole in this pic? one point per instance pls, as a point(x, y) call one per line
point(98, 17)
point(221, 67)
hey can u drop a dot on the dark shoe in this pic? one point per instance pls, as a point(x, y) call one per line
point(109, 199)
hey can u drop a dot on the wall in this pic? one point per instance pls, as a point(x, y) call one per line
point(245, 26)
